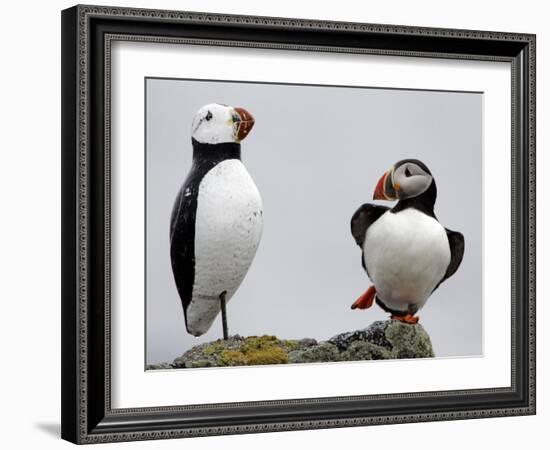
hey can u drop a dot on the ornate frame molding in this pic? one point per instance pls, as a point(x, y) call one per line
point(84, 421)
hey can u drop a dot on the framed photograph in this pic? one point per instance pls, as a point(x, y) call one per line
point(281, 224)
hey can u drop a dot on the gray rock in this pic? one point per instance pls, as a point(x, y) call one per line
point(365, 350)
point(322, 352)
point(306, 342)
point(389, 339)
point(375, 334)
point(193, 364)
point(207, 354)
point(159, 366)
point(408, 341)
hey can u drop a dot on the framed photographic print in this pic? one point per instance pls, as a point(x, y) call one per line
point(267, 222)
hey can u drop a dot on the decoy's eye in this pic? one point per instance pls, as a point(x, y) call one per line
point(407, 172)
point(208, 115)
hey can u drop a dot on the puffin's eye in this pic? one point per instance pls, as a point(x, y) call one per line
point(208, 115)
point(407, 172)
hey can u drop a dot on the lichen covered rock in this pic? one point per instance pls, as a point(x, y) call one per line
point(160, 366)
point(385, 339)
point(388, 339)
point(241, 351)
point(364, 350)
point(322, 352)
point(408, 341)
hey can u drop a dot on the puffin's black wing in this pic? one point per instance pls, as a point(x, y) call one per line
point(456, 244)
point(182, 230)
point(363, 218)
point(182, 239)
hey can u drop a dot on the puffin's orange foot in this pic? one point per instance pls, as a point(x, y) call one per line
point(407, 318)
point(366, 300)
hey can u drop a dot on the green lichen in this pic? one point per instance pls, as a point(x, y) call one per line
point(198, 363)
point(259, 342)
point(290, 344)
point(214, 348)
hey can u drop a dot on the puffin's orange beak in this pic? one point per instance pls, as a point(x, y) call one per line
point(379, 190)
point(384, 189)
point(243, 122)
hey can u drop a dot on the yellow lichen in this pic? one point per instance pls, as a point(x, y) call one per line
point(232, 358)
point(255, 350)
point(273, 355)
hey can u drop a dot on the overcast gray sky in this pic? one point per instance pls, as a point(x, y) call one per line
point(316, 154)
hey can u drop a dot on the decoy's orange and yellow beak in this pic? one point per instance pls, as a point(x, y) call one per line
point(385, 189)
point(243, 122)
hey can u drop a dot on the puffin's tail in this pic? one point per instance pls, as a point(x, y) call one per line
point(201, 313)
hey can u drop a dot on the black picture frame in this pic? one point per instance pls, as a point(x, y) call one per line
point(87, 32)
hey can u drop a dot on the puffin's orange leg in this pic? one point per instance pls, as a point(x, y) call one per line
point(408, 318)
point(365, 300)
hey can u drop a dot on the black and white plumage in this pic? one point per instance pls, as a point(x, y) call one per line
point(216, 221)
point(406, 252)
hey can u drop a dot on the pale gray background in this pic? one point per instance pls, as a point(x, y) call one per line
point(316, 154)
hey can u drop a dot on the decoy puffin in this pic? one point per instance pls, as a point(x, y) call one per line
point(406, 252)
point(216, 222)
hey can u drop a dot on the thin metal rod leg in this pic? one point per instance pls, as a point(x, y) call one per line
point(224, 316)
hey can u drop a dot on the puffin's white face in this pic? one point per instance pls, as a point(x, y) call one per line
point(217, 124)
point(406, 179)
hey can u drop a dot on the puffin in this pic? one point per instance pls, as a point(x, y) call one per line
point(217, 217)
point(406, 252)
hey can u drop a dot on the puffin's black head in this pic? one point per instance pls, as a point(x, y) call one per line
point(407, 179)
point(219, 124)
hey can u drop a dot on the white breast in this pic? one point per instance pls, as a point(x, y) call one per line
point(406, 255)
point(228, 229)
